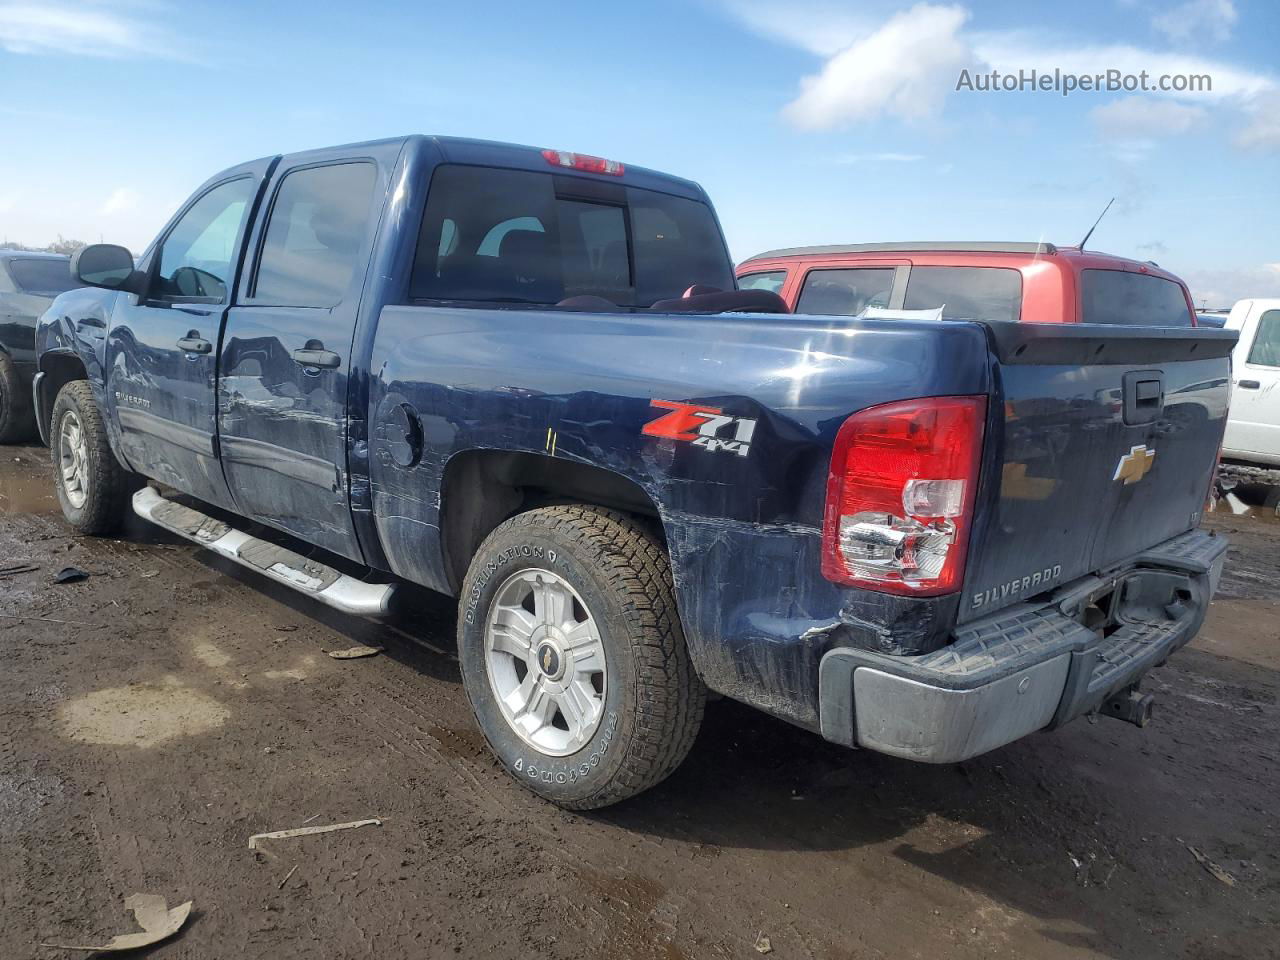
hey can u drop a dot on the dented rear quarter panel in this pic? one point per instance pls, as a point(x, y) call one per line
point(744, 532)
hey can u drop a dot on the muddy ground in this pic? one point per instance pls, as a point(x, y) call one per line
point(171, 705)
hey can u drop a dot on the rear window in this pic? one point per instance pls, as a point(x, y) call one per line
point(771, 280)
point(966, 293)
point(511, 236)
point(1132, 299)
point(45, 278)
point(845, 293)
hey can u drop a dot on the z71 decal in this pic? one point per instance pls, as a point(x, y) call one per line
point(706, 427)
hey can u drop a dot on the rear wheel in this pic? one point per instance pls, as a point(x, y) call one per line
point(573, 656)
point(16, 422)
point(91, 484)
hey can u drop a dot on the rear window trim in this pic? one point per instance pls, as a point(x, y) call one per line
point(563, 182)
point(1080, 305)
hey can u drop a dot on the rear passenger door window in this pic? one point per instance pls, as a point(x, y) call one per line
point(966, 293)
point(315, 235)
point(771, 280)
point(846, 292)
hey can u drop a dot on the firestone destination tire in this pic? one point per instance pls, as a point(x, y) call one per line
point(573, 656)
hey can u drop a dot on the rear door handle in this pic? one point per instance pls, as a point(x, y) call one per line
point(194, 343)
point(1248, 384)
point(315, 355)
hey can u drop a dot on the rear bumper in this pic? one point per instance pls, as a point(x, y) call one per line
point(1026, 668)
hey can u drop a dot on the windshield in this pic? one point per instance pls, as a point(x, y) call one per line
point(1132, 299)
point(45, 277)
point(511, 236)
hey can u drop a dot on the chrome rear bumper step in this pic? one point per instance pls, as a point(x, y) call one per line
point(317, 580)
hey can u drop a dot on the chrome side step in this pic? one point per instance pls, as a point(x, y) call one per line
point(317, 580)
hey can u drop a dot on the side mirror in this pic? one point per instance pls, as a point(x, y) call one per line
point(106, 265)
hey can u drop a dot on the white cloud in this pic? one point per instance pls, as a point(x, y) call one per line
point(906, 64)
point(1222, 288)
point(1263, 130)
point(1012, 51)
point(823, 28)
point(1140, 118)
point(1197, 20)
point(80, 29)
point(121, 200)
point(904, 68)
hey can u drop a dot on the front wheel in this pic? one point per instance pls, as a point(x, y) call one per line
point(573, 656)
point(91, 484)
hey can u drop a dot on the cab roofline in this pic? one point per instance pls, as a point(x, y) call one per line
point(929, 246)
point(500, 154)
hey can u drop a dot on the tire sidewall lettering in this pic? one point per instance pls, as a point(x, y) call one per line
point(563, 770)
point(523, 551)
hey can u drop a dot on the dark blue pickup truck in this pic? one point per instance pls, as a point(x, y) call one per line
point(525, 378)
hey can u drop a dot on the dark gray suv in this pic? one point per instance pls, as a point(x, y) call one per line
point(28, 284)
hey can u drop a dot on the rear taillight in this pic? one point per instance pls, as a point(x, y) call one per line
point(582, 161)
point(900, 495)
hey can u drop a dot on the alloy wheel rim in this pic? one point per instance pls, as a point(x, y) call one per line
point(73, 457)
point(545, 661)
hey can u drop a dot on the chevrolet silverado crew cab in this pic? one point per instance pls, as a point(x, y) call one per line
point(1030, 282)
point(524, 378)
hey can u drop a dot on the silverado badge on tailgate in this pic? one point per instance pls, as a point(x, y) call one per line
point(706, 427)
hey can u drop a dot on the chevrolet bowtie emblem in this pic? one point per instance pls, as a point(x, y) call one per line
point(1135, 464)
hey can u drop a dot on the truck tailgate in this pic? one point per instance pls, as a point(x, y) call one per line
point(1108, 442)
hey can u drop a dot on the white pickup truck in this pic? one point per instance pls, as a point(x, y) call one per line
point(1253, 425)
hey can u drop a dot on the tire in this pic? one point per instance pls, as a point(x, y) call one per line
point(91, 484)
point(647, 700)
point(17, 423)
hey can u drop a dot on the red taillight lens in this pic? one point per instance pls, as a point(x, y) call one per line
point(582, 161)
point(900, 495)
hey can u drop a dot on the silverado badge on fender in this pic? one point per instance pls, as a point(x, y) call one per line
point(702, 426)
point(1135, 464)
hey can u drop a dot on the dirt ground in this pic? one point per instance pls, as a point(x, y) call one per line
point(157, 714)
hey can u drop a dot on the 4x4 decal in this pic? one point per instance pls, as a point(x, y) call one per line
point(703, 426)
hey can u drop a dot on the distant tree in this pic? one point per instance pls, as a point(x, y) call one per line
point(65, 246)
point(62, 245)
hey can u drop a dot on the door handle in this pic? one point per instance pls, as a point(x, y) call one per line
point(1248, 384)
point(315, 355)
point(194, 343)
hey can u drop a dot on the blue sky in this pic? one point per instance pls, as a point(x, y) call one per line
point(807, 121)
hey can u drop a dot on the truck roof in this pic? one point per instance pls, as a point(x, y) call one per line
point(520, 156)
point(977, 247)
point(929, 246)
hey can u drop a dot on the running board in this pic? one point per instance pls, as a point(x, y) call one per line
point(317, 580)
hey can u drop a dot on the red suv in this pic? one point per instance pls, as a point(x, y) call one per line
point(1031, 282)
